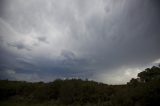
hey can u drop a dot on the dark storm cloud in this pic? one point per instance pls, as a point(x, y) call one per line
point(80, 38)
point(2, 6)
point(135, 36)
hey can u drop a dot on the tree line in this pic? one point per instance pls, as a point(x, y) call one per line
point(142, 91)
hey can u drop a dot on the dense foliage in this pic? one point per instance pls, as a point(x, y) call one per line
point(143, 91)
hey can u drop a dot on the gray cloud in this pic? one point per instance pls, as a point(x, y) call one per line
point(42, 39)
point(80, 38)
point(19, 45)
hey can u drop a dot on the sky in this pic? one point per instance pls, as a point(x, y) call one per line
point(108, 41)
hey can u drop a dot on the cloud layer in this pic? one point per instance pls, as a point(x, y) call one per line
point(103, 40)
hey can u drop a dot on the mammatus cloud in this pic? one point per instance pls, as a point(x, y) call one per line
point(108, 41)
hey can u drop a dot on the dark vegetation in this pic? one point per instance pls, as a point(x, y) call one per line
point(143, 91)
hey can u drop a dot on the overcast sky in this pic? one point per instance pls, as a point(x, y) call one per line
point(103, 40)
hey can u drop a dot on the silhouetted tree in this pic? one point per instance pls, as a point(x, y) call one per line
point(150, 74)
